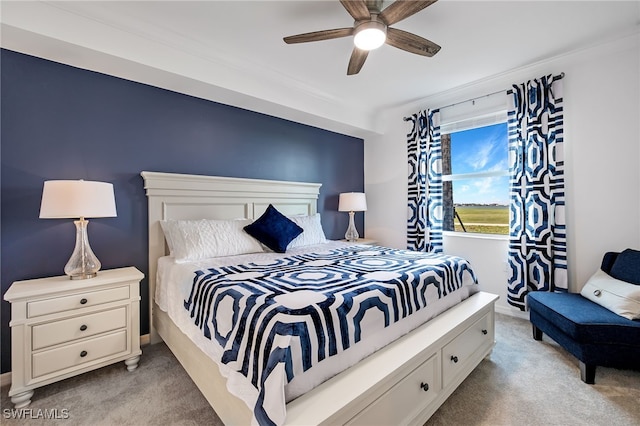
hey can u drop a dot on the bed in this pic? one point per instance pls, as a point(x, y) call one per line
point(402, 383)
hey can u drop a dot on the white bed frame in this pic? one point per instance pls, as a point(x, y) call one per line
point(403, 383)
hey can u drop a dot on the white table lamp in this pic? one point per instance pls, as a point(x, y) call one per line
point(65, 199)
point(352, 202)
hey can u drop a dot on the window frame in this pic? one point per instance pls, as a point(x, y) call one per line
point(474, 121)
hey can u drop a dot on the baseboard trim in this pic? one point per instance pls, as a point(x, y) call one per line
point(5, 378)
point(512, 312)
point(145, 339)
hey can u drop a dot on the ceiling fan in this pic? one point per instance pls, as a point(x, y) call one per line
point(372, 28)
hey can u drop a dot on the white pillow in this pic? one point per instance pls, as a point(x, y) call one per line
point(190, 240)
point(620, 297)
point(312, 232)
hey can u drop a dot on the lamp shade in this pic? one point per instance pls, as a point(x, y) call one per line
point(352, 202)
point(77, 199)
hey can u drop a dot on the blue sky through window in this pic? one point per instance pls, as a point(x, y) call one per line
point(483, 149)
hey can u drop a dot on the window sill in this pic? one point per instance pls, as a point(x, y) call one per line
point(475, 235)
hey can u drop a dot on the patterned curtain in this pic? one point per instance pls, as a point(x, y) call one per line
point(424, 225)
point(537, 232)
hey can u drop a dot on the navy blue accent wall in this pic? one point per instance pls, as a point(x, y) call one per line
point(61, 122)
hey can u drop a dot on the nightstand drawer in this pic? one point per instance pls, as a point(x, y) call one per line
point(78, 327)
point(76, 301)
point(54, 360)
point(61, 327)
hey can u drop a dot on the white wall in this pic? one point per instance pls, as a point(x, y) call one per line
point(602, 150)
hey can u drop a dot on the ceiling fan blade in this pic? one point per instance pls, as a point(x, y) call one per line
point(357, 9)
point(358, 56)
point(402, 9)
point(411, 42)
point(319, 35)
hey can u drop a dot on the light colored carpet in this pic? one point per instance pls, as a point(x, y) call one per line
point(527, 382)
point(158, 392)
point(523, 382)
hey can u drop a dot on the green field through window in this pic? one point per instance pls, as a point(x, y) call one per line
point(483, 219)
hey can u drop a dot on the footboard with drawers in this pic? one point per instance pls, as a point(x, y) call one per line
point(407, 382)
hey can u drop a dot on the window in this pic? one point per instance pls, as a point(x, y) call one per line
point(476, 177)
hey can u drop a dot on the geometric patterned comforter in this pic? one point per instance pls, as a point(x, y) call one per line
point(275, 319)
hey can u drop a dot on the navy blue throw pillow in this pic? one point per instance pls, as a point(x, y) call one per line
point(274, 230)
point(627, 267)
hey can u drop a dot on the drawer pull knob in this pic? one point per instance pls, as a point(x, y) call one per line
point(83, 301)
point(484, 332)
point(83, 354)
point(83, 327)
point(424, 386)
point(454, 358)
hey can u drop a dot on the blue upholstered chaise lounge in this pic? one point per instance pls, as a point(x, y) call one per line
point(593, 334)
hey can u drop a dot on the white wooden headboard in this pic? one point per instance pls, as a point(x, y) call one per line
point(181, 196)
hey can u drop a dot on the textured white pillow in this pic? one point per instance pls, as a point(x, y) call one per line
point(620, 297)
point(312, 232)
point(190, 240)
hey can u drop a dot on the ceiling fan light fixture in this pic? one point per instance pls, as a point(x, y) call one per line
point(373, 27)
point(370, 35)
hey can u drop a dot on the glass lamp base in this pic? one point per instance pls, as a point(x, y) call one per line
point(83, 276)
point(83, 263)
point(352, 233)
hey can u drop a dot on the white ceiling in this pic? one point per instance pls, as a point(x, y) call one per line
point(232, 51)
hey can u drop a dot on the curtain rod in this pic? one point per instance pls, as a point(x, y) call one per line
point(510, 91)
point(555, 77)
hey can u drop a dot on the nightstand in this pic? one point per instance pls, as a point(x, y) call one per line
point(61, 327)
point(364, 241)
